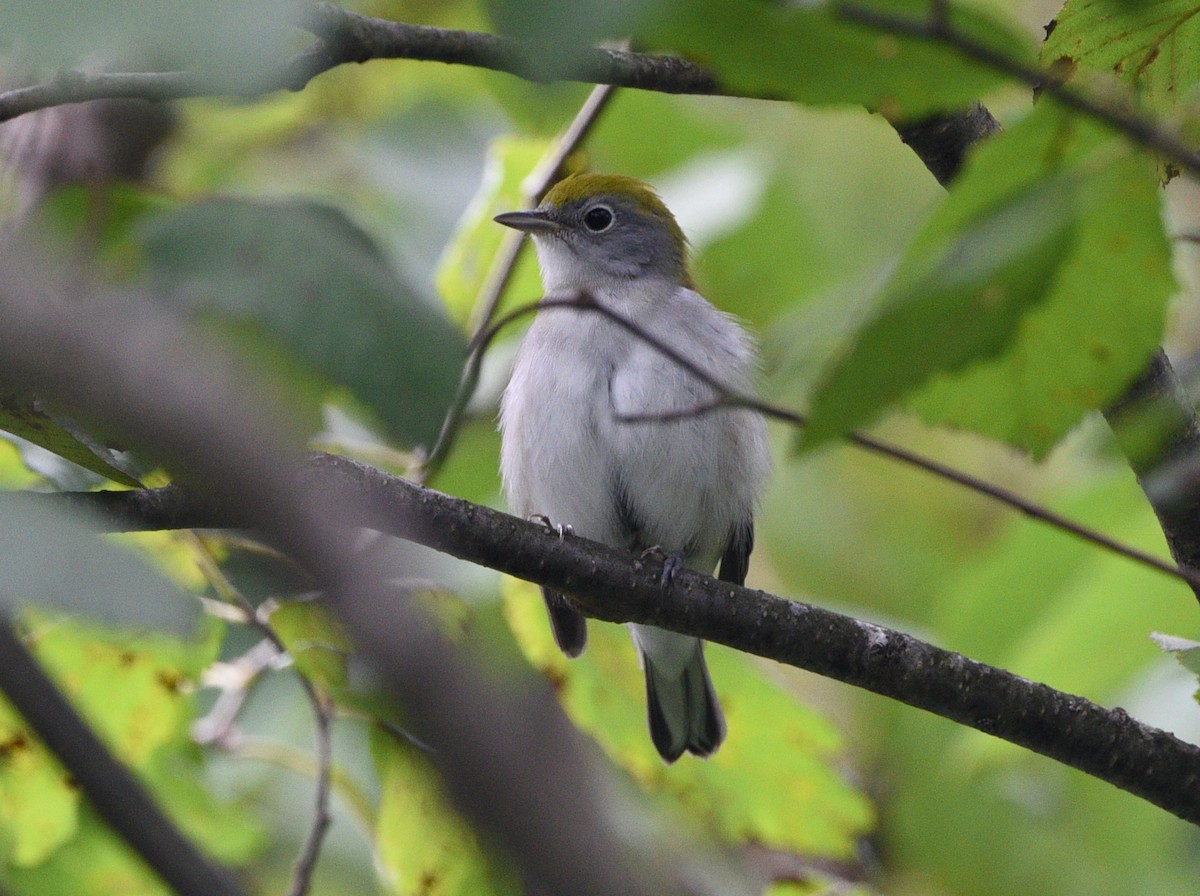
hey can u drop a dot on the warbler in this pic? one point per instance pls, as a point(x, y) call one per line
point(686, 482)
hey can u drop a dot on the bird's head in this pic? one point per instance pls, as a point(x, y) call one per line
point(600, 232)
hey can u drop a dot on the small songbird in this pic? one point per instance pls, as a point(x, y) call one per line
point(686, 485)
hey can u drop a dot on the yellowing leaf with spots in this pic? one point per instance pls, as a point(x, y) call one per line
point(423, 845)
point(136, 691)
point(774, 782)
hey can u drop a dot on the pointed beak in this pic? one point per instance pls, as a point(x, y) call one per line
point(528, 222)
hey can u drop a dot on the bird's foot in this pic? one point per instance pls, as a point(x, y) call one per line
point(672, 562)
point(563, 529)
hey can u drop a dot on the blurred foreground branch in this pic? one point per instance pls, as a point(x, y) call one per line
point(510, 759)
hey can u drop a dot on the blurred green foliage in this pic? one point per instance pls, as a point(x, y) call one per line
point(338, 239)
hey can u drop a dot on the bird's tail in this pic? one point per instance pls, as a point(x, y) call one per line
point(568, 624)
point(680, 700)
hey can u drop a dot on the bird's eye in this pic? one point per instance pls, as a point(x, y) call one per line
point(598, 219)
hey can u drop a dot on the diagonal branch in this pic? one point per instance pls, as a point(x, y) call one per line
point(620, 587)
point(504, 264)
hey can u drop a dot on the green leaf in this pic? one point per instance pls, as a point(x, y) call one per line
point(101, 217)
point(422, 844)
point(307, 277)
point(39, 810)
point(955, 300)
point(1034, 294)
point(133, 688)
point(1105, 311)
point(97, 863)
point(558, 32)
point(1149, 45)
point(316, 641)
point(25, 418)
point(468, 258)
point(812, 53)
point(774, 782)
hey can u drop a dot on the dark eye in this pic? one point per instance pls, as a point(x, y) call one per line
point(598, 219)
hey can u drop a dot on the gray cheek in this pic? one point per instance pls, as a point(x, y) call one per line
point(637, 254)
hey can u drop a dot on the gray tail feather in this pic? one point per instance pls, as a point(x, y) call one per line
point(568, 624)
point(684, 712)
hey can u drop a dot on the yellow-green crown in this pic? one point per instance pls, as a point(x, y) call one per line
point(578, 187)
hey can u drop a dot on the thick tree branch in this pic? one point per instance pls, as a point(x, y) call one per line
point(1158, 430)
point(942, 141)
point(619, 587)
point(358, 38)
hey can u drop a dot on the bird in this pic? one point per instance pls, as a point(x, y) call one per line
point(680, 480)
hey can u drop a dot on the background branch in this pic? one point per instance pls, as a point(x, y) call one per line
point(348, 37)
point(345, 37)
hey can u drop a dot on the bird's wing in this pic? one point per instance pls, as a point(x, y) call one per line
point(736, 559)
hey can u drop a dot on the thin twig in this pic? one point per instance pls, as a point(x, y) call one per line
point(235, 680)
point(544, 175)
point(322, 714)
point(547, 171)
point(306, 862)
point(286, 756)
point(727, 398)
